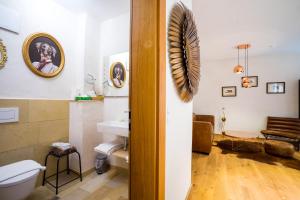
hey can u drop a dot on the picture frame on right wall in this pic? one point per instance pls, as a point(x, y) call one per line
point(275, 87)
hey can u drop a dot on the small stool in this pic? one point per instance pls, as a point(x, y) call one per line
point(57, 153)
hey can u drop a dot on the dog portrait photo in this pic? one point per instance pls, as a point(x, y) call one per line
point(118, 74)
point(43, 55)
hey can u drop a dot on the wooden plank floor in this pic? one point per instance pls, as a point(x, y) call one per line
point(231, 176)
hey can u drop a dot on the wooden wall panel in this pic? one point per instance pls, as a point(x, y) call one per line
point(147, 99)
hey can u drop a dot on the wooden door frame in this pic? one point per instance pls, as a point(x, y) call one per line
point(147, 99)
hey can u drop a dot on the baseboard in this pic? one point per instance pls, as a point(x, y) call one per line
point(188, 193)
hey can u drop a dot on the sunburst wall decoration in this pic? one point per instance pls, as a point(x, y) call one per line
point(184, 53)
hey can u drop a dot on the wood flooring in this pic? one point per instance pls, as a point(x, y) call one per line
point(225, 175)
point(112, 185)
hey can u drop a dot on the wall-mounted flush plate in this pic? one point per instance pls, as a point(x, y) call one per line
point(9, 114)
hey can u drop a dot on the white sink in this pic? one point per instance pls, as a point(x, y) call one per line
point(120, 128)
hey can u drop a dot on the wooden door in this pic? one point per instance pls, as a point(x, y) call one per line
point(147, 99)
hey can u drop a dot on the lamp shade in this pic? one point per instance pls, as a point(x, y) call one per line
point(238, 69)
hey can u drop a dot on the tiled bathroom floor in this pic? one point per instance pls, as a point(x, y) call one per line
point(112, 185)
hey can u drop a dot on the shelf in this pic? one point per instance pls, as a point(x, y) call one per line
point(121, 154)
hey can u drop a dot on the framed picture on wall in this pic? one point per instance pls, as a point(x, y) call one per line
point(253, 80)
point(275, 87)
point(229, 91)
point(43, 55)
point(118, 74)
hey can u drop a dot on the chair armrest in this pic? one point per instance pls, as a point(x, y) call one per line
point(202, 136)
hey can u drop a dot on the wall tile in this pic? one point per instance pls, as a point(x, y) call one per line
point(8, 157)
point(52, 131)
point(16, 135)
point(45, 110)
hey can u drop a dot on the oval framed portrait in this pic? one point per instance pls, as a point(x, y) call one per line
point(43, 55)
point(118, 74)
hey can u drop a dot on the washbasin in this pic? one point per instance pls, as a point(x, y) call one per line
point(120, 128)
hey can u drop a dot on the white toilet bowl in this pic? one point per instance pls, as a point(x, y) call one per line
point(17, 180)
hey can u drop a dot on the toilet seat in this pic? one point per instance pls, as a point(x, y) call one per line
point(18, 172)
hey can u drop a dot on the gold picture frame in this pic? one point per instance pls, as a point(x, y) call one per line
point(3, 54)
point(43, 55)
point(117, 77)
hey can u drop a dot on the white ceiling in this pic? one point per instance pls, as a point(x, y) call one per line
point(100, 9)
point(271, 26)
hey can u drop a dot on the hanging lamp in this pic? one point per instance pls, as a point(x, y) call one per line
point(246, 83)
point(239, 68)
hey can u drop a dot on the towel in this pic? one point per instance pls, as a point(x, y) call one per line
point(61, 145)
point(108, 148)
point(16, 169)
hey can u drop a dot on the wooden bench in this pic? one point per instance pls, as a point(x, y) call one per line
point(287, 129)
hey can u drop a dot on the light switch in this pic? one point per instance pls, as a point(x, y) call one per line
point(9, 114)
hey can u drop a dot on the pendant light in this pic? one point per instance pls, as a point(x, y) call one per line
point(246, 81)
point(238, 69)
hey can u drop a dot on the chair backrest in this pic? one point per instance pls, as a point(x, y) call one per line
point(291, 125)
point(205, 118)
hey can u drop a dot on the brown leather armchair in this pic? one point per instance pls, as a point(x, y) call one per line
point(203, 129)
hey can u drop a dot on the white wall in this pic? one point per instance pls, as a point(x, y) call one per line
point(248, 111)
point(115, 35)
point(92, 56)
point(178, 136)
point(16, 80)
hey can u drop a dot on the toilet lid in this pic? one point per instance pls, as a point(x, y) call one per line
point(18, 172)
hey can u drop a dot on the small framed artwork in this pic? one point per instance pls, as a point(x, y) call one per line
point(275, 87)
point(43, 55)
point(229, 91)
point(253, 81)
point(118, 74)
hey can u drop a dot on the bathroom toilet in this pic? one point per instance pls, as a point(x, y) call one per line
point(17, 180)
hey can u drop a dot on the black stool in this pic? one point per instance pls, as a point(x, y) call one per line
point(57, 153)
